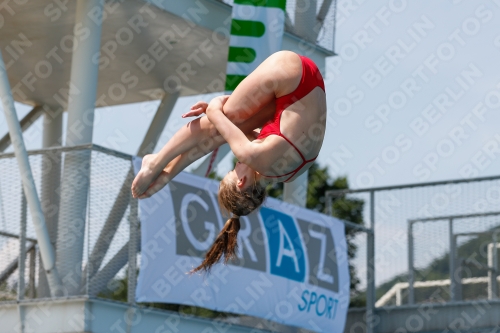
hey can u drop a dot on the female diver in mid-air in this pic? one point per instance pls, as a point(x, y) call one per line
point(285, 95)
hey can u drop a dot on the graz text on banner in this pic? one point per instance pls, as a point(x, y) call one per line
point(291, 268)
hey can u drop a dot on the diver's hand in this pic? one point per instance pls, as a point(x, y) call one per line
point(216, 104)
point(197, 109)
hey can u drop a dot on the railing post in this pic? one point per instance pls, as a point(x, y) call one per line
point(411, 269)
point(22, 259)
point(132, 250)
point(31, 291)
point(493, 268)
point(132, 260)
point(22, 248)
point(452, 262)
point(370, 272)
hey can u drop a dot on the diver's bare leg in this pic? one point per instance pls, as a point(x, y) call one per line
point(182, 161)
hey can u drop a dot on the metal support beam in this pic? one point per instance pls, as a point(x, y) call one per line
point(296, 191)
point(370, 272)
point(158, 123)
point(320, 18)
point(52, 137)
point(25, 123)
point(46, 249)
point(76, 170)
point(122, 200)
point(99, 282)
point(11, 268)
point(8, 234)
point(107, 232)
point(411, 269)
point(7, 272)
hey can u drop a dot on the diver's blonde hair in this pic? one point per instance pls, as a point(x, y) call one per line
point(238, 203)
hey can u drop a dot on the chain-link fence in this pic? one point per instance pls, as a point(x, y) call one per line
point(108, 225)
point(318, 28)
point(433, 242)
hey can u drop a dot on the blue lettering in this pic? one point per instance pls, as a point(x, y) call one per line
point(286, 251)
point(312, 300)
point(323, 305)
point(305, 293)
point(330, 306)
point(320, 313)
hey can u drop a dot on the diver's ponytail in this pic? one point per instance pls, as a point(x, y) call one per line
point(225, 245)
point(238, 203)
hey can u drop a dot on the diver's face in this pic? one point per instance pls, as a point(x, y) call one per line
point(243, 175)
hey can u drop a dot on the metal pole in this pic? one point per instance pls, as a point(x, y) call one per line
point(31, 291)
point(370, 272)
point(493, 268)
point(452, 261)
point(46, 249)
point(22, 260)
point(22, 249)
point(411, 269)
point(52, 133)
point(76, 170)
point(132, 250)
point(25, 123)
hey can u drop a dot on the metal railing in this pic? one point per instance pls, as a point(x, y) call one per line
point(455, 280)
point(386, 257)
point(369, 233)
point(111, 237)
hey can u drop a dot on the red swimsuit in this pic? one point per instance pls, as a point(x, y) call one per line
point(311, 78)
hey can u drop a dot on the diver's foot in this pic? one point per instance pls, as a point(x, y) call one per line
point(145, 177)
point(157, 185)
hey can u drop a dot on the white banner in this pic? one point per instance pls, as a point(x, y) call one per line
point(291, 268)
point(256, 32)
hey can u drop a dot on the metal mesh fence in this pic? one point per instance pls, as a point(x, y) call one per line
point(325, 12)
point(357, 266)
point(105, 249)
point(394, 207)
point(463, 240)
point(108, 229)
